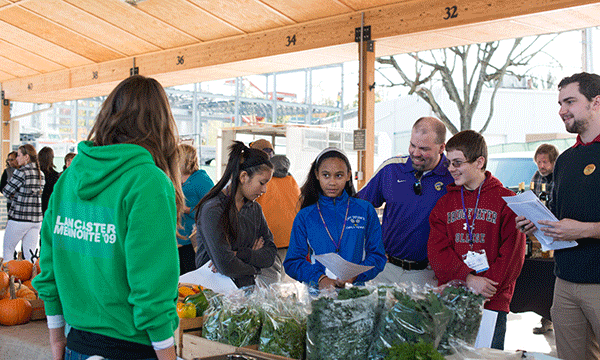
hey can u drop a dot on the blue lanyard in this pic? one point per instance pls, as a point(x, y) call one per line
point(470, 227)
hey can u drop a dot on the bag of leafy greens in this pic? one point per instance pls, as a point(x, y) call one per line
point(233, 320)
point(410, 315)
point(467, 309)
point(341, 327)
point(284, 322)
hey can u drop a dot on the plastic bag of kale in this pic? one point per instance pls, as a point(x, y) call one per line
point(409, 315)
point(341, 329)
point(284, 321)
point(467, 309)
point(233, 320)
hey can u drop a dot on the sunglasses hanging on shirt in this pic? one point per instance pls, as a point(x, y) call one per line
point(417, 187)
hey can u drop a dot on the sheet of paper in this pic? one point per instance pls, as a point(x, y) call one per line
point(204, 276)
point(528, 205)
point(486, 329)
point(341, 268)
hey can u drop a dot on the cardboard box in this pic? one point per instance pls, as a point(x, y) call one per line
point(187, 325)
point(38, 312)
point(199, 348)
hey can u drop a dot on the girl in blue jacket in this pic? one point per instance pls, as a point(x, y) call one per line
point(332, 219)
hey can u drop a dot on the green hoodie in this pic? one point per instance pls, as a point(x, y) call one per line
point(108, 249)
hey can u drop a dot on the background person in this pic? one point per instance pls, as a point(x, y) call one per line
point(473, 236)
point(576, 303)
point(24, 189)
point(109, 252)
point(410, 186)
point(545, 158)
point(46, 158)
point(68, 159)
point(231, 229)
point(195, 184)
point(264, 145)
point(331, 220)
point(11, 165)
point(280, 206)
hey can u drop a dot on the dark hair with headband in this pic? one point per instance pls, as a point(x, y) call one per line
point(309, 193)
point(241, 159)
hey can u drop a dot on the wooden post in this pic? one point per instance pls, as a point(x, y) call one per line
point(5, 130)
point(366, 111)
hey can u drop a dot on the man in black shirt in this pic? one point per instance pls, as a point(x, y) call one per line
point(576, 305)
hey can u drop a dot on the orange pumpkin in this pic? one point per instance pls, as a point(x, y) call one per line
point(25, 292)
point(37, 267)
point(21, 269)
point(4, 280)
point(29, 285)
point(14, 311)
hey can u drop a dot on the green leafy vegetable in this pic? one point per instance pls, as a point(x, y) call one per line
point(410, 319)
point(418, 351)
point(341, 329)
point(231, 323)
point(466, 308)
point(283, 334)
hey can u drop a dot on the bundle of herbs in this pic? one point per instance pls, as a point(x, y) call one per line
point(341, 329)
point(418, 351)
point(467, 309)
point(284, 325)
point(413, 316)
point(232, 320)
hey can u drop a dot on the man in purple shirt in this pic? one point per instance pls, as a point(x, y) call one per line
point(410, 186)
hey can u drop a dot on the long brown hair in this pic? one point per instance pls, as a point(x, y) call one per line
point(28, 149)
point(46, 159)
point(137, 112)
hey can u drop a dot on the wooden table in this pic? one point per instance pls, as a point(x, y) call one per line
point(29, 341)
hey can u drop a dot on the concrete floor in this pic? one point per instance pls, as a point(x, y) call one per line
point(519, 335)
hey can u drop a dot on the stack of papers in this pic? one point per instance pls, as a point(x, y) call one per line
point(528, 205)
point(340, 268)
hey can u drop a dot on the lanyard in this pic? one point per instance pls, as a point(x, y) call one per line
point(470, 227)
point(339, 243)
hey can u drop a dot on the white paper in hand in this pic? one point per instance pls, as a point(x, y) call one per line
point(341, 268)
point(204, 276)
point(528, 205)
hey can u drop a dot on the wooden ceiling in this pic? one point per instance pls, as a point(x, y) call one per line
point(55, 50)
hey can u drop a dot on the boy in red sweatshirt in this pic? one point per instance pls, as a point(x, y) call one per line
point(473, 234)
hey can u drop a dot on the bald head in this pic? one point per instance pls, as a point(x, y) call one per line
point(427, 143)
point(427, 124)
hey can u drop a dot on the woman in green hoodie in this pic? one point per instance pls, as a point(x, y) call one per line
point(109, 250)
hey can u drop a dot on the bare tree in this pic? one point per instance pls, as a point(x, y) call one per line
point(472, 65)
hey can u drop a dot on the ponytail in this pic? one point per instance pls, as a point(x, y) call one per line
point(33, 158)
point(241, 158)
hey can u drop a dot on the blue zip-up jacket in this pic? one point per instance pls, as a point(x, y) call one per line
point(194, 189)
point(361, 243)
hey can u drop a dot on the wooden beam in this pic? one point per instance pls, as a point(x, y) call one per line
point(5, 112)
point(366, 111)
point(407, 17)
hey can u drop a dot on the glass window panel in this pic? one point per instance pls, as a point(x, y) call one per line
point(291, 87)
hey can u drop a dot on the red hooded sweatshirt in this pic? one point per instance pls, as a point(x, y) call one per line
point(495, 232)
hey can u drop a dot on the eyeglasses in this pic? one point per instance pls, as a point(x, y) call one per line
point(457, 163)
point(268, 150)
